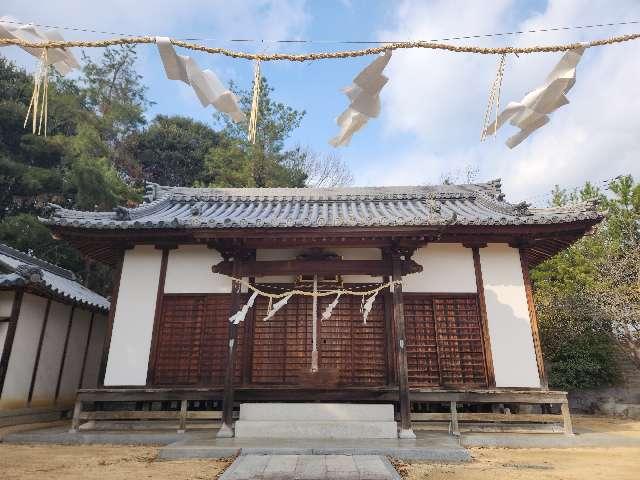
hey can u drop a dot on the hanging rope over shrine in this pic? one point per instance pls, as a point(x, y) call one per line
point(528, 115)
point(305, 57)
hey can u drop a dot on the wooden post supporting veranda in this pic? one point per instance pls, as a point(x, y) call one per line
point(401, 352)
point(226, 430)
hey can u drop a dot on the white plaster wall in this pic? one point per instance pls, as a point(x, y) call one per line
point(133, 319)
point(514, 358)
point(94, 355)
point(75, 355)
point(44, 389)
point(189, 271)
point(25, 345)
point(6, 303)
point(446, 267)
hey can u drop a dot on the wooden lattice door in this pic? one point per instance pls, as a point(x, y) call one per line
point(444, 341)
point(355, 349)
point(282, 345)
point(192, 341)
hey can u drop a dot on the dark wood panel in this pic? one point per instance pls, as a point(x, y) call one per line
point(349, 346)
point(282, 345)
point(444, 341)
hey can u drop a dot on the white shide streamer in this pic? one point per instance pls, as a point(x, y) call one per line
point(364, 94)
point(277, 306)
point(327, 311)
point(532, 112)
point(368, 305)
point(205, 83)
point(240, 315)
point(61, 58)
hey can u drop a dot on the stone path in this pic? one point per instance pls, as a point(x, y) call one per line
point(310, 467)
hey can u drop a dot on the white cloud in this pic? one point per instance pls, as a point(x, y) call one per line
point(440, 97)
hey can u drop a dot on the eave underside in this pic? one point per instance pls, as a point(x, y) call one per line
point(539, 242)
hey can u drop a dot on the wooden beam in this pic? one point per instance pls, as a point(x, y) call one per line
point(482, 305)
point(64, 352)
point(533, 319)
point(375, 268)
point(11, 333)
point(228, 399)
point(112, 312)
point(156, 318)
point(45, 320)
point(401, 350)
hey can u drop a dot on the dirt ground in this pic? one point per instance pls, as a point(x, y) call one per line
point(621, 463)
point(95, 462)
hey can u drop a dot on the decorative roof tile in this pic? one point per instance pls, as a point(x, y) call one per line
point(193, 208)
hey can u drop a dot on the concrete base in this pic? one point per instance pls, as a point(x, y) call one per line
point(316, 420)
point(225, 431)
point(406, 434)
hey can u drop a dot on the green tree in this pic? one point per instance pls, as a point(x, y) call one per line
point(172, 150)
point(271, 163)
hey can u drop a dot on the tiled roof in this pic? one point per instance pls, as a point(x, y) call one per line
point(180, 207)
point(23, 269)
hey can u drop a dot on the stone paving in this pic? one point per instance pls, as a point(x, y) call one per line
point(310, 467)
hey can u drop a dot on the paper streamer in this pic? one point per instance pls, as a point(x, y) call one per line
point(240, 315)
point(327, 311)
point(532, 112)
point(61, 58)
point(364, 95)
point(205, 83)
point(368, 305)
point(277, 306)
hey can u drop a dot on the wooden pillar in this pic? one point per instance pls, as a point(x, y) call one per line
point(482, 306)
point(86, 350)
point(112, 311)
point(64, 351)
point(455, 427)
point(566, 417)
point(75, 420)
point(227, 400)
point(11, 333)
point(401, 351)
point(533, 319)
point(151, 363)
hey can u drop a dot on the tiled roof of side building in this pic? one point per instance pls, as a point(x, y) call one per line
point(23, 269)
point(181, 207)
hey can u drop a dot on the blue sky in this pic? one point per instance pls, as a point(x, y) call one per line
point(434, 102)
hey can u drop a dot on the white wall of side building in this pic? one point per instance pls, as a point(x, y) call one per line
point(512, 349)
point(94, 353)
point(446, 268)
point(78, 337)
point(15, 393)
point(44, 389)
point(133, 317)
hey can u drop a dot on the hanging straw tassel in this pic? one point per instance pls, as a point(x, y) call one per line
point(493, 103)
point(39, 98)
point(253, 118)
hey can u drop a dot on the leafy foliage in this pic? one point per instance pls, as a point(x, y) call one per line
point(588, 296)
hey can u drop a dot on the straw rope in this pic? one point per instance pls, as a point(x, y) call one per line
point(327, 55)
point(494, 100)
point(322, 293)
